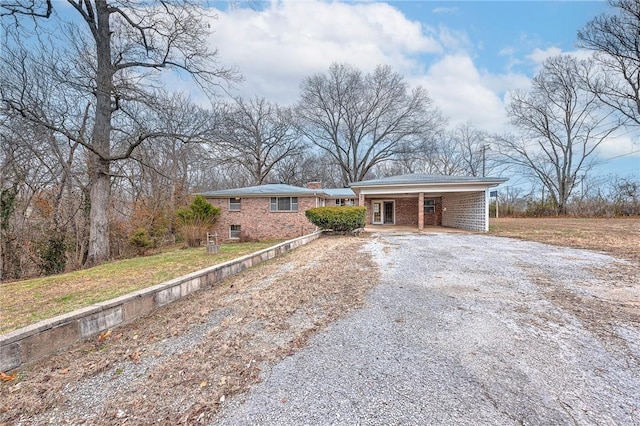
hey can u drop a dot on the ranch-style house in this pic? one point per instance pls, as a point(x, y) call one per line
point(276, 211)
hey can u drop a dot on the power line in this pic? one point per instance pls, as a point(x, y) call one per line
point(622, 155)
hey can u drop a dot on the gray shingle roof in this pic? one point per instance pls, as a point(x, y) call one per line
point(339, 192)
point(271, 190)
point(279, 189)
point(416, 179)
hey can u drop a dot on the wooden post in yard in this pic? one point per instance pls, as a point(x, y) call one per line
point(212, 243)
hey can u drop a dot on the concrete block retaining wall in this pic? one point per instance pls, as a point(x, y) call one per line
point(36, 341)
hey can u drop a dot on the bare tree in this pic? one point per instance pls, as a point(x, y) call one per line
point(257, 136)
point(308, 166)
point(462, 151)
point(109, 64)
point(157, 177)
point(42, 180)
point(474, 148)
point(615, 40)
point(362, 120)
point(561, 125)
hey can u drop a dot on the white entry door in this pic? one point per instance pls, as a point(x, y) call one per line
point(377, 213)
point(383, 212)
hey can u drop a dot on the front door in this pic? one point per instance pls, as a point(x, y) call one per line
point(388, 213)
point(377, 213)
point(383, 213)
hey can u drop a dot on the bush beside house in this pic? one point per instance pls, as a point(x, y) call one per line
point(196, 220)
point(337, 219)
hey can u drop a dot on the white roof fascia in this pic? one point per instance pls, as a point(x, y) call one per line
point(426, 188)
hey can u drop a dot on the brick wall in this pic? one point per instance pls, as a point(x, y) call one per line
point(258, 222)
point(465, 211)
point(407, 211)
point(367, 204)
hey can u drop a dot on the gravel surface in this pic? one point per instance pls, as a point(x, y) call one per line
point(467, 329)
point(181, 362)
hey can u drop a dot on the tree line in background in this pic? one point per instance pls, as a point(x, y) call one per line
point(98, 158)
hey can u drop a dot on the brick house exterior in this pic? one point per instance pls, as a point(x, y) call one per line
point(273, 211)
point(257, 222)
point(276, 211)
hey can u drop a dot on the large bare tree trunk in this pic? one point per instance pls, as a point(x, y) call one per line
point(98, 160)
point(99, 196)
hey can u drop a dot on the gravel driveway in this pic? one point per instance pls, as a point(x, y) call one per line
point(467, 329)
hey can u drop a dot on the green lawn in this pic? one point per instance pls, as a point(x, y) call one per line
point(29, 301)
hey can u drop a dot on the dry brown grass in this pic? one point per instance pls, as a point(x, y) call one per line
point(249, 321)
point(619, 237)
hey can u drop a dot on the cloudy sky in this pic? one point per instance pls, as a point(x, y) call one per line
point(468, 55)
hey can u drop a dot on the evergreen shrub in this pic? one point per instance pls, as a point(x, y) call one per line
point(338, 219)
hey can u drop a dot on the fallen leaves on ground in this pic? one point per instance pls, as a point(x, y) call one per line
point(237, 327)
point(8, 377)
point(103, 335)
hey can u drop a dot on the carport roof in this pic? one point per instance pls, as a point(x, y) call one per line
point(421, 179)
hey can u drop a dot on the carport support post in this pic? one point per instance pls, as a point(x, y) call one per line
point(486, 209)
point(421, 211)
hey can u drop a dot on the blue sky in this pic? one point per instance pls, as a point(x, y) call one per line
point(468, 54)
point(500, 31)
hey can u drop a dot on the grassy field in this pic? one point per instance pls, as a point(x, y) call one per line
point(619, 237)
point(29, 301)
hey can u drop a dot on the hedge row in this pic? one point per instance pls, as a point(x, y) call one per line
point(338, 219)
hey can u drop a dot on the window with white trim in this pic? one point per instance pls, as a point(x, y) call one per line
point(429, 206)
point(234, 204)
point(284, 204)
point(234, 232)
point(344, 202)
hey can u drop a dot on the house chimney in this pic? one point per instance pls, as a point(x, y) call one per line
point(314, 185)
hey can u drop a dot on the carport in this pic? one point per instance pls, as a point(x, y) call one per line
point(426, 200)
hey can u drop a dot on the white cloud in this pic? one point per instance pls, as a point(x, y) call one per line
point(538, 56)
point(619, 145)
point(451, 40)
point(277, 47)
point(462, 93)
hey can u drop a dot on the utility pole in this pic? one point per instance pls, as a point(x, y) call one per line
point(484, 149)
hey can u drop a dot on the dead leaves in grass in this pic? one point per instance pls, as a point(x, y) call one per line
point(8, 377)
point(243, 325)
point(104, 335)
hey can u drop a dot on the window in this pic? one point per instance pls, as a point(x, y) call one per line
point(284, 204)
point(234, 232)
point(344, 202)
point(429, 206)
point(234, 204)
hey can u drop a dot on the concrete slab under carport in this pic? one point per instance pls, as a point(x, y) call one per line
point(414, 229)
